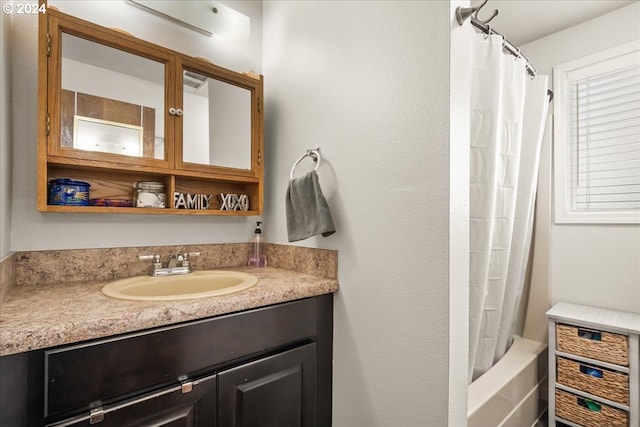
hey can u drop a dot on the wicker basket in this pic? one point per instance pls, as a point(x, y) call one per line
point(597, 345)
point(610, 385)
point(587, 412)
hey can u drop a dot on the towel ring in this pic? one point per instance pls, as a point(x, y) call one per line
point(314, 154)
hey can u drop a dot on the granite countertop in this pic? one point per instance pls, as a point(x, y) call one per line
point(36, 317)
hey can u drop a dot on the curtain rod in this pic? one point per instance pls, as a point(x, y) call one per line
point(462, 13)
point(510, 47)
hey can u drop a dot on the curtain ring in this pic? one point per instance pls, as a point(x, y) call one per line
point(488, 33)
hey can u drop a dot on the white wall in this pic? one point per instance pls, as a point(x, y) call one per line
point(368, 82)
point(195, 128)
point(590, 264)
point(33, 230)
point(6, 130)
point(230, 121)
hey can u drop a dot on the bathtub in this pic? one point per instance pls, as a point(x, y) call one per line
point(508, 395)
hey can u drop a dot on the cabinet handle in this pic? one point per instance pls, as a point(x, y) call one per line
point(179, 112)
point(592, 372)
point(588, 404)
point(96, 416)
point(172, 111)
point(589, 334)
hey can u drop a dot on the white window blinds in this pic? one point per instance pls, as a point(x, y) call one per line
point(598, 146)
point(604, 138)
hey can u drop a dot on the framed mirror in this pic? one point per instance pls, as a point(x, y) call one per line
point(216, 122)
point(221, 127)
point(109, 91)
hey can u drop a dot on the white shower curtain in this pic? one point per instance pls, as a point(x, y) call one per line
point(508, 111)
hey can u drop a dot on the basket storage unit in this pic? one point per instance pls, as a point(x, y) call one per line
point(594, 367)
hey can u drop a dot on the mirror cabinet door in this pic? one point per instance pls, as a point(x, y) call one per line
point(218, 122)
point(109, 103)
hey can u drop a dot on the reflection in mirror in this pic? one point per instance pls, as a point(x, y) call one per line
point(217, 122)
point(107, 137)
point(110, 85)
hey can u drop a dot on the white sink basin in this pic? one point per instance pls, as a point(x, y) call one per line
point(199, 284)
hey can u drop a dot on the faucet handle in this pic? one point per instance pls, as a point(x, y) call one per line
point(156, 260)
point(184, 257)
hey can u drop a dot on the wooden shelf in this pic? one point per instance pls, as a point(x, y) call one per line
point(145, 211)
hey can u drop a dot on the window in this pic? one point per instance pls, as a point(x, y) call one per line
point(597, 137)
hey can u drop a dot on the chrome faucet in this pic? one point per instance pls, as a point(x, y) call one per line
point(175, 265)
point(172, 261)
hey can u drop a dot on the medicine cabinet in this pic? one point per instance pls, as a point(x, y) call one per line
point(115, 110)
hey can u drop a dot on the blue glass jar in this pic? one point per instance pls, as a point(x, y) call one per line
point(68, 192)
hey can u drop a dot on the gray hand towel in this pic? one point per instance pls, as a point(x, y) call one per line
point(307, 210)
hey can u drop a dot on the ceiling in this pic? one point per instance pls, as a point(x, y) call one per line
point(522, 21)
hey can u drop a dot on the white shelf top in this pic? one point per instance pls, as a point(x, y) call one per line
point(612, 320)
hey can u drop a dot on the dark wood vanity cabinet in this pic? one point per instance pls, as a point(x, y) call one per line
point(263, 367)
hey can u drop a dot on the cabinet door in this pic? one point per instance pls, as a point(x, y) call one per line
point(221, 127)
point(173, 407)
point(277, 391)
point(108, 97)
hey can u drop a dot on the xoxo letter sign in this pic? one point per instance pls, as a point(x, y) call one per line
point(234, 202)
